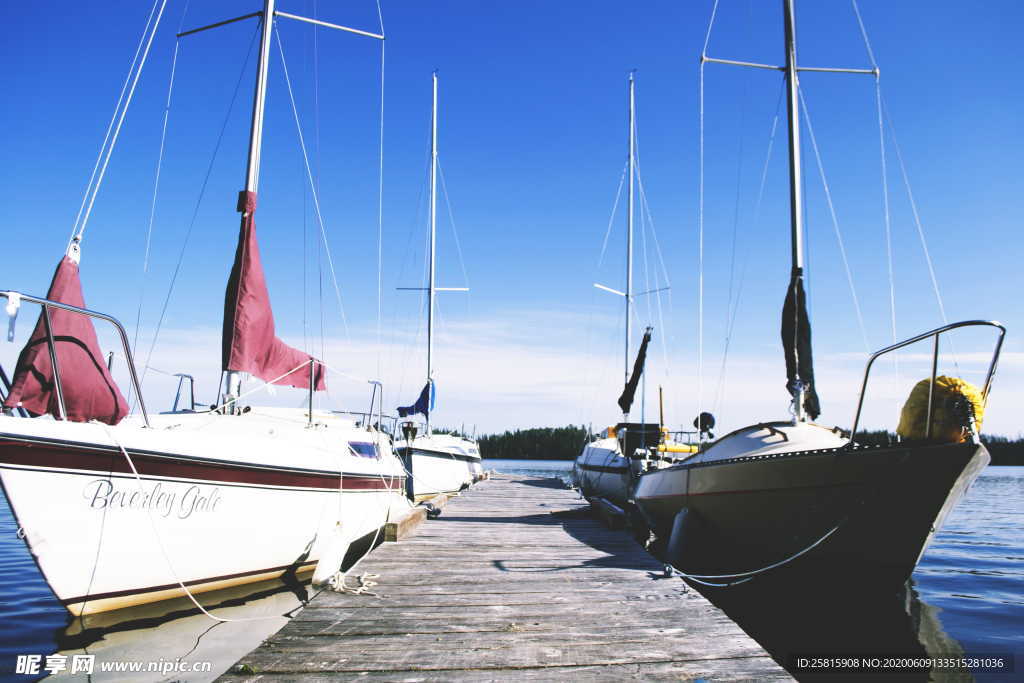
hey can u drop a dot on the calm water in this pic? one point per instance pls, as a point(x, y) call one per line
point(968, 596)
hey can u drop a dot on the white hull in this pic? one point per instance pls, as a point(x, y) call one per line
point(223, 500)
point(439, 463)
point(601, 471)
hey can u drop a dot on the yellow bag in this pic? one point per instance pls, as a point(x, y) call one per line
point(951, 400)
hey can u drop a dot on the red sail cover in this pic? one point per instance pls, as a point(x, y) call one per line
point(89, 391)
point(249, 342)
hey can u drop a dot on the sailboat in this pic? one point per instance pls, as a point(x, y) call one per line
point(608, 466)
point(120, 510)
point(436, 463)
point(797, 497)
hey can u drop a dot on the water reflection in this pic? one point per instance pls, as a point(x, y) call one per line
point(853, 619)
point(175, 630)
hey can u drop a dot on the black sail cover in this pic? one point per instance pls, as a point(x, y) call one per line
point(796, 344)
point(626, 400)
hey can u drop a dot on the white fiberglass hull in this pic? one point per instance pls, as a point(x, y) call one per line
point(218, 501)
point(438, 464)
point(601, 471)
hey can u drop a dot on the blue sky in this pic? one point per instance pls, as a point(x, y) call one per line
point(532, 147)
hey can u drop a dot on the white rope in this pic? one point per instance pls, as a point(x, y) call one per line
point(113, 117)
point(312, 184)
point(835, 223)
point(160, 543)
point(120, 122)
point(747, 576)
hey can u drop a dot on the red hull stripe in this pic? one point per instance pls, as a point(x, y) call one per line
point(195, 582)
point(33, 454)
point(747, 491)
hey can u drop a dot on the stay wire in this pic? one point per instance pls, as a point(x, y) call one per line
point(195, 211)
point(835, 222)
point(312, 184)
point(113, 118)
point(152, 205)
point(120, 123)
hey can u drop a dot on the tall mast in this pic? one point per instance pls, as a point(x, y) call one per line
point(252, 171)
point(629, 221)
point(792, 105)
point(232, 378)
point(433, 241)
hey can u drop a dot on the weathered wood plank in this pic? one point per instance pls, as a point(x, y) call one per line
point(515, 580)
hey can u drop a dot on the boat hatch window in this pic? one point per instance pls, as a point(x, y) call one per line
point(473, 451)
point(366, 450)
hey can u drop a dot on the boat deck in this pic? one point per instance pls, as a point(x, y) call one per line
point(515, 580)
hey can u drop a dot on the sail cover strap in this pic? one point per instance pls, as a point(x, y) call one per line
point(249, 341)
point(626, 399)
point(89, 391)
point(796, 344)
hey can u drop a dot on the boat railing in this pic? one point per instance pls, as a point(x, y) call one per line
point(48, 304)
point(935, 334)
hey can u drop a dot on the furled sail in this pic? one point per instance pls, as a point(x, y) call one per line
point(249, 341)
point(796, 344)
point(626, 399)
point(423, 405)
point(88, 389)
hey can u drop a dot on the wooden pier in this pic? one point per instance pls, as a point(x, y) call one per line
point(515, 581)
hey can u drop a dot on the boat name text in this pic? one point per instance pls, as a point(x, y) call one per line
point(101, 494)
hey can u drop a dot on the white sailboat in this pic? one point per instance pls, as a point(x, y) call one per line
point(122, 510)
point(436, 463)
point(799, 497)
point(608, 466)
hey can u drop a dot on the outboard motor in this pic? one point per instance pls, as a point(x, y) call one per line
point(408, 431)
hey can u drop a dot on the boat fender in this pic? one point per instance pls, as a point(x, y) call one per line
point(680, 541)
point(433, 512)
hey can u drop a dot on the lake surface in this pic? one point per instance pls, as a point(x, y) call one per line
point(967, 597)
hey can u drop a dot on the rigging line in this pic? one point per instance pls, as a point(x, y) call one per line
point(914, 211)
point(920, 229)
point(451, 219)
point(113, 117)
point(700, 234)
point(312, 184)
point(195, 212)
point(380, 208)
point(645, 211)
point(152, 205)
point(885, 183)
point(835, 221)
point(120, 122)
point(611, 219)
point(720, 392)
point(707, 37)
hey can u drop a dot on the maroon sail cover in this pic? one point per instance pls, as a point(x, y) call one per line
point(249, 342)
point(89, 391)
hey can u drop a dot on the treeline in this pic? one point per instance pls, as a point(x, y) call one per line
point(565, 443)
point(542, 443)
point(1004, 451)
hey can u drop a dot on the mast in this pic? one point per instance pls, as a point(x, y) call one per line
point(795, 186)
point(629, 221)
point(433, 244)
point(232, 378)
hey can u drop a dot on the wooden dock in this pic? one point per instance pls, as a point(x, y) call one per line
point(515, 581)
